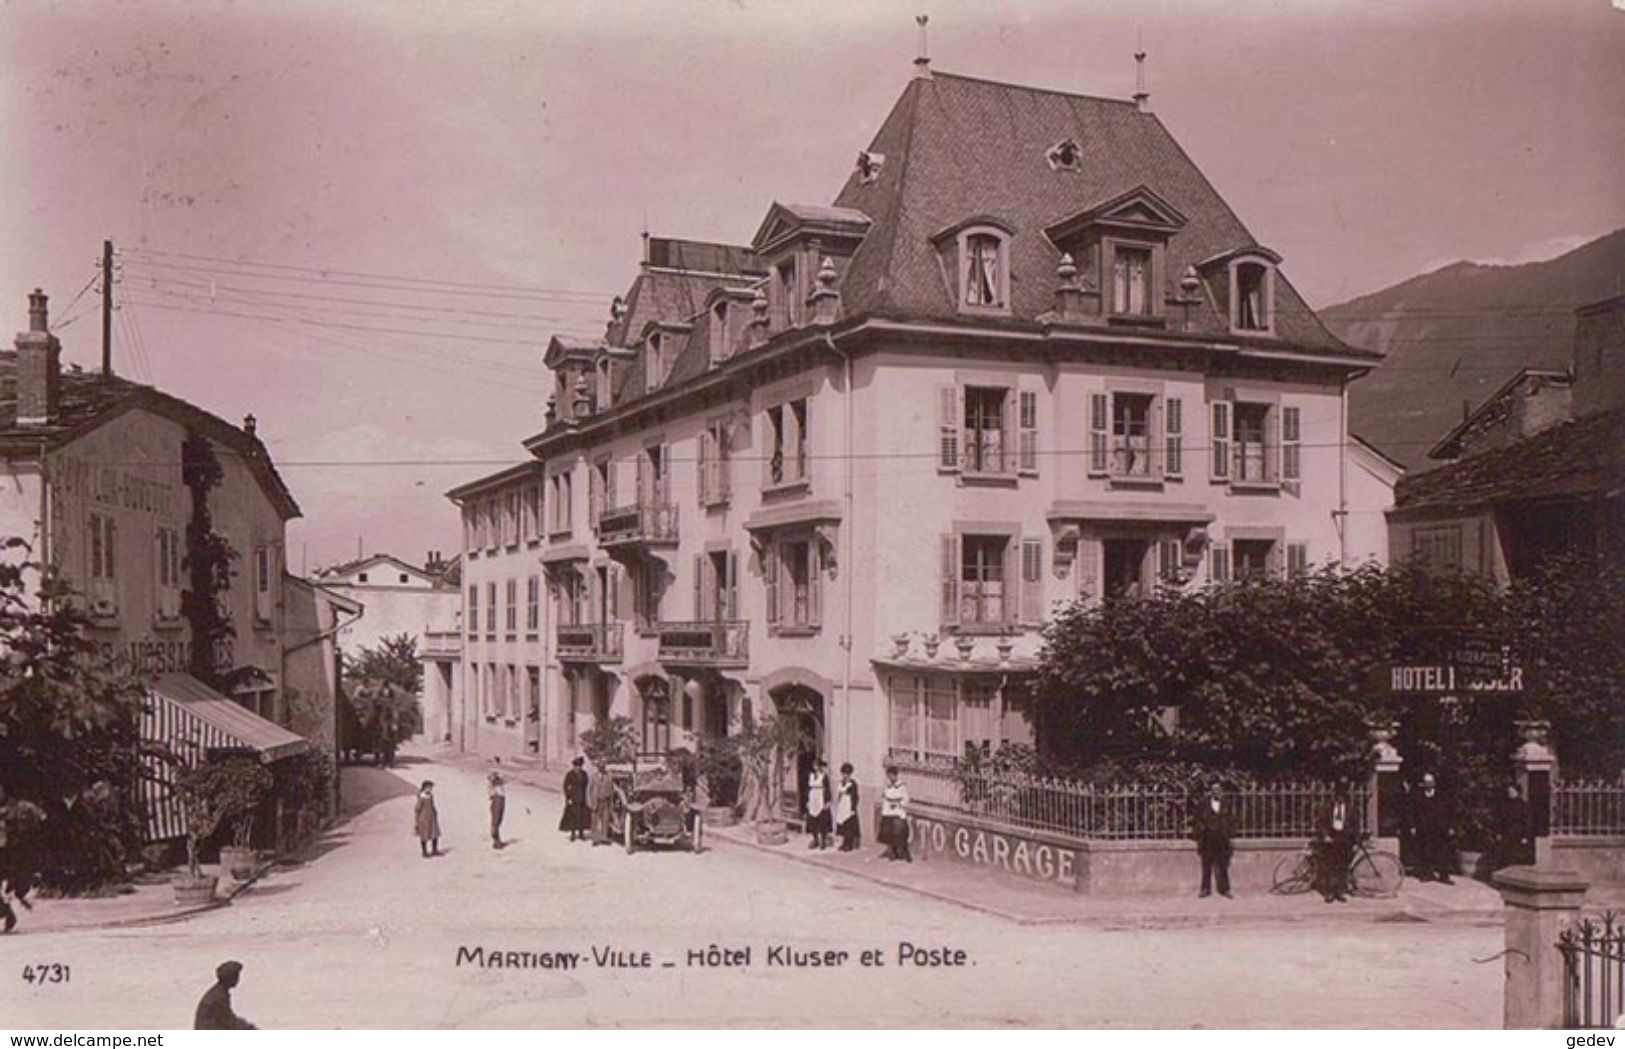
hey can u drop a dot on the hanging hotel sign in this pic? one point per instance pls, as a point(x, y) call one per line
point(1472, 666)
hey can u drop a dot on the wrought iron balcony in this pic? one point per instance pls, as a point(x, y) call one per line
point(588, 642)
point(638, 524)
point(720, 643)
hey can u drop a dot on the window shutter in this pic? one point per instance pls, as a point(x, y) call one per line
point(1275, 560)
point(1032, 580)
point(642, 463)
point(1088, 569)
point(1291, 449)
point(1007, 433)
point(949, 417)
point(1169, 557)
point(699, 587)
point(733, 585)
point(950, 579)
point(1010, 597)
point(815, 584)
point(721, 453)
point(1272, 449)
point(1297, 559)
point(702, 469)
point(1219, 564)
point(1174, 437)
point(591, 589)
point(1099, 419)
point(595, 497)
point(1219, 468)
point(770, 579)
point(1029, 431)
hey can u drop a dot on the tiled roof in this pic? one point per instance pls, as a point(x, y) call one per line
point(668, 298)
point(87, 400)
point(958, 147)
point(1581, 457)
point(700, 256)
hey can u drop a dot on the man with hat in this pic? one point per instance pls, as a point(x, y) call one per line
point(576, 819)
point(1213, 827)
point(214, 1008)
point(499, 805)
point(1429, 832)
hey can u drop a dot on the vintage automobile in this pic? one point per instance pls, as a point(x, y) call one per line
point(651, 805)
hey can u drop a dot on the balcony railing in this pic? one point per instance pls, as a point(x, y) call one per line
point(589, 642)
point(441, 644)
point(1254, 462)
point(647, 523)
point(723, 642)
point(1134, 460)
point(987, 456)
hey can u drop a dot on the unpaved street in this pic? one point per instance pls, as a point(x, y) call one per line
point(368, 935)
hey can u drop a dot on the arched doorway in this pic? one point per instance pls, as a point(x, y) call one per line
point(805, 706)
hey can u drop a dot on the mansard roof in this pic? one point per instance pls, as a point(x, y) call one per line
point(957, 146)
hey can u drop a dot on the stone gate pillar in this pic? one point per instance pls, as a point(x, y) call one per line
point(1536, 766)
point(1539, 905)
point(1383, 793)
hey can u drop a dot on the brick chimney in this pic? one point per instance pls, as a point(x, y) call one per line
point(39, 367)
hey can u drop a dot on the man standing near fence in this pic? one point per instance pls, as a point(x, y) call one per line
point(1214, 826)
point(1429, 829)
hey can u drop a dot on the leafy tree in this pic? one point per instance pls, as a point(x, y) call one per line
point(208, 562)
point(217, 794)
point(381, 688)
point(1267, 675)
point(1568, 617)
point(71, 757)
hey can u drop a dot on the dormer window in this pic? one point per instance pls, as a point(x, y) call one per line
point(1064, 156)
point(719, 332)
point(1131, 280)
point(654, 365)
point(1252, 295)
point(786, 295)
point(978, 253)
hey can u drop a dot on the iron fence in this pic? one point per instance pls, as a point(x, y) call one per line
point(1122, 812)
point(1593, 972)
point(1588, 808)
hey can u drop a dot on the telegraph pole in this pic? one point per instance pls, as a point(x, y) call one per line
point(107, 309)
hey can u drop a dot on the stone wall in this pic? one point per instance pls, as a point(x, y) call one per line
point(1098, 868)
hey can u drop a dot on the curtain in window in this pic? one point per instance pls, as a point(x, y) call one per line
point(940, 700)
point(982, 278)
point(905, 737)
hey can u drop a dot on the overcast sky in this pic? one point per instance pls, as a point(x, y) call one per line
point(511, 153)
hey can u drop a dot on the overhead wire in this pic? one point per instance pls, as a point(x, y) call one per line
point(325, 270)
point(288, 316)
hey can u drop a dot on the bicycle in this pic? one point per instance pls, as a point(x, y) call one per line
point(1372, 874)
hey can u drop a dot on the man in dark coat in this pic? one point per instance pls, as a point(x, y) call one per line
point(1213, 827)
point(1429, 831)
point(1334, 847)
point(214, 1008)
point(576, 814)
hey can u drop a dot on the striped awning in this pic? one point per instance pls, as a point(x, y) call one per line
point(216, 721)
point(194, 719)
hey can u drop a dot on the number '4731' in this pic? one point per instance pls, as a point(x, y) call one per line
point(48, 972)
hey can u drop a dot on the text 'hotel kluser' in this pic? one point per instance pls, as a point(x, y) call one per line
point(846, 472)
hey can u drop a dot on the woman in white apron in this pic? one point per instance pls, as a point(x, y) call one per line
point(819, 823)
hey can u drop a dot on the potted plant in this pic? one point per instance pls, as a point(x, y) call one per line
point(212, 794)
point(722, 773)
point(764, 747)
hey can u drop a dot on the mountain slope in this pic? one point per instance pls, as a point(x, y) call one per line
point(1457, 334)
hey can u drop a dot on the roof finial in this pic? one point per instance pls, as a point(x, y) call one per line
point(922, 62)
point(1142, 97)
